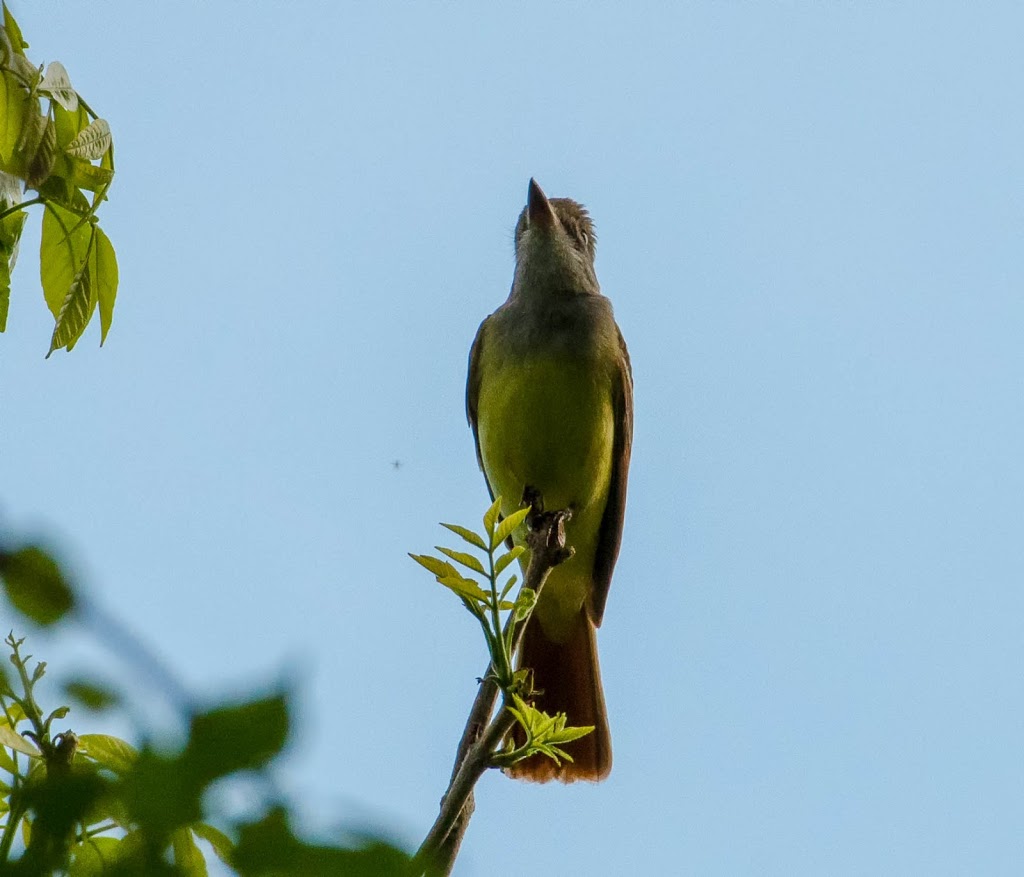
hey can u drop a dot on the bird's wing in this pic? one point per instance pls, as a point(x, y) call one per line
point(473, 395)
point(610, 534)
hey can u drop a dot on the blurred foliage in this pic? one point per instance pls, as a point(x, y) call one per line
point(52, 142)
point(94, 805)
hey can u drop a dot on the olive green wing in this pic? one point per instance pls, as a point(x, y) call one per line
point(610, 534)
point(473, 395)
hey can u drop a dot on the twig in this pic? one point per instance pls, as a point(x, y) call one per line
point(436, 855)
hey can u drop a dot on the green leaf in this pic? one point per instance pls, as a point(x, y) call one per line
point(109, 752)
point(507, 558)
point(57, 84)
point(89, 858)
point(5, 293)
point(89, 176)
point(220, 842)
point(103, 273)
point(525, 602)
point(74, 313)
point(187, 855)
point(506, 527)
point(491, 517)
point(15, 106)
point(508, 586)
point(237, 737)
point(462, 586)
point(35, 585)
point(467, 560)
point(62, 253)
point(13, 740)
point(91, 695)
point(40, 159)
point(69, 125)
point(467, 534)
point(14, 33)
point(567, 735)
point(6, 762)
point(92, 142)
point(435, 565)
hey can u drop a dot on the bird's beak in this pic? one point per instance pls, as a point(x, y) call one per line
point(538, 209)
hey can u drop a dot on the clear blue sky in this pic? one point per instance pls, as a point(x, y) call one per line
point(810, 221)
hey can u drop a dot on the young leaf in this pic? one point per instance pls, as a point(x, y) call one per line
point(110, 752)
point(93, 856)
point(103, 272)
point(18, 43)
point(464, 587)
point(15, 106)
point(467, 560)
point(506, 527)
point(74, 313)
point(13, 740)
point(525, 602)
point(57, 84)
point(92, 142)
point(508, 586)
point(35, 585)
point(467, 534)
point(491, 518)
point(507, 558)
point(435, 565)
point(5, 293)
point(62, 253)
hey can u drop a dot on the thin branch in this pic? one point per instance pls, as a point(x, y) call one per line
point(436, 855)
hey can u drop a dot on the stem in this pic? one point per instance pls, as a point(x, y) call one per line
point(477, 760)
point(21, 205)
point(437, 853)
point(497, 641)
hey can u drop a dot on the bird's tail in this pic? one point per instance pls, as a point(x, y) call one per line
point(570, 679)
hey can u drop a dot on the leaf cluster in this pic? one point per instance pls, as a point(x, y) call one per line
point(53, 143)
point(500, 618)
point(94, 805)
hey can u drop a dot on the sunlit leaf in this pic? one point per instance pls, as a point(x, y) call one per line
point(91, 857)
point(467, 560)
point(91, 142)
point(15, 106)
point(434, 564)
point(110, 752)
point(103, 272)
point(507, 558)
point(467, 534)
point(57, 84)
point(62, 253)
point(13, 740)
point(491, 517)
point(506, 527)
point(74, 314)
point(18, 43)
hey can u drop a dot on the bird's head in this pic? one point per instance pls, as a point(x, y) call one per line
point(555, 243)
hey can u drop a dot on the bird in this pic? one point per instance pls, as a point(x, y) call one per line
point(549, 397)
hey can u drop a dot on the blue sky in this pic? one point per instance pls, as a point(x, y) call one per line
point(809, 222)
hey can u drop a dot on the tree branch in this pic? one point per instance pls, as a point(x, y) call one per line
point(436, 855)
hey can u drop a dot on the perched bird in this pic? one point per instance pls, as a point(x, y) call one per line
point(550, 401)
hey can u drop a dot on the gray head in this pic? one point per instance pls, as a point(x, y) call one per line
point(555, 243)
